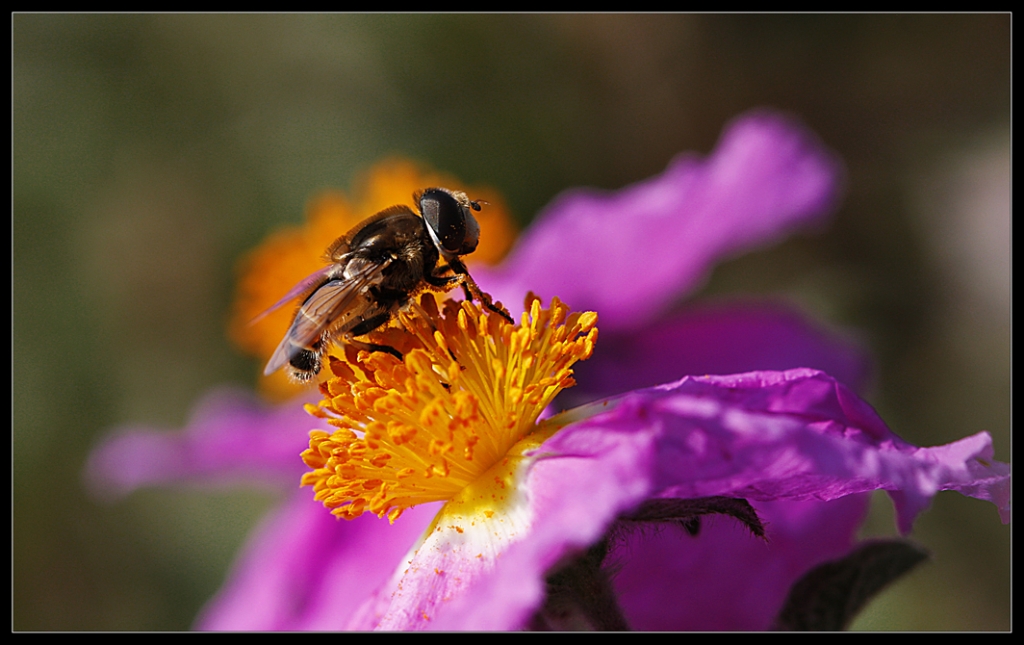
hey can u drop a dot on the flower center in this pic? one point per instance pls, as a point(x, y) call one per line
point(420, 430)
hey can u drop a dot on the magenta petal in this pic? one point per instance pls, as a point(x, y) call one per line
point(629, 253)
point(717, 339)
point(794, 435)
point(304, 569)
point(724, 578)
point(230, 437)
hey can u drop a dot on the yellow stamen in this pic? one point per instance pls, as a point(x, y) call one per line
point(471, 386)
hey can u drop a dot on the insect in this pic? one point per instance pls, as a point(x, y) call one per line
point(375, 269)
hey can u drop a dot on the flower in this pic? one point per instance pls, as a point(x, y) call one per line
point(796, 443)
point(450, 424)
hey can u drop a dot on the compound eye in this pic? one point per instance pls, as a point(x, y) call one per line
point(454, 228)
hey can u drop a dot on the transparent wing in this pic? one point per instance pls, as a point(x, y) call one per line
point(304, 285)
point(335, 305)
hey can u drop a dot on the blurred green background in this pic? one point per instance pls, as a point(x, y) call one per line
point(151, 151)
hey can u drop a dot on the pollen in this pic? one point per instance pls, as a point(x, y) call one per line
point(470, 387)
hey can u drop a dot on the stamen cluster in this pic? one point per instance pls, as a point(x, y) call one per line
point(419, 430)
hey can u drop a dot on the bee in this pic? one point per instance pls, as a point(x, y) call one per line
point(375, 270)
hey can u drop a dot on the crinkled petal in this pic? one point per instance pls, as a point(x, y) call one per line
point(793, 435)
point(717, 339)
point(230, 437)
point(630, 253)
point(304, 569)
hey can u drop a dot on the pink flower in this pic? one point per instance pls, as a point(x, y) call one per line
point(797, 444)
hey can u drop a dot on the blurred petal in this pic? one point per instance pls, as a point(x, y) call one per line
point(629, 254)
point(717, 339)
point(304, 569)
point(230, 437)
point(724, 578)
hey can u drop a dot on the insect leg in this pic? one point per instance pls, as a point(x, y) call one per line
point(365, 327)
point(473, 291)
point(443, 282)
point(371, 347)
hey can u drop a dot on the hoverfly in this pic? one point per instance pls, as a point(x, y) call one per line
point(375, 269)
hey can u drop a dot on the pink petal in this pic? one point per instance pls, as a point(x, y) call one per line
point(793, 435)
point(630, 253)
point(724, 578)
point(230, 437)
point(304, 569)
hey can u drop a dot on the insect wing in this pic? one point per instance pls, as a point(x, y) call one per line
point(331, 305)
point(304, 285)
